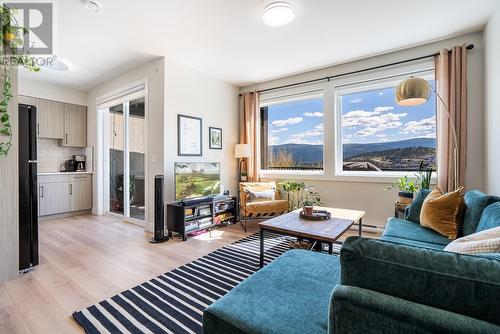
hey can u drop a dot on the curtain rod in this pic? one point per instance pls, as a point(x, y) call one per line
point(328, 78)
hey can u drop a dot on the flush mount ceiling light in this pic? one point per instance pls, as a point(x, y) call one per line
point(92, 5)
point(278, 14)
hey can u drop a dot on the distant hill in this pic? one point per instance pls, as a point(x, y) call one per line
point(351, 150)
point(312, 154)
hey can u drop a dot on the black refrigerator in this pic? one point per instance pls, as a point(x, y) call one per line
point(28, 194)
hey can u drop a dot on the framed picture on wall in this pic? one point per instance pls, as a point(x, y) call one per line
point(189, 136)
point(215, 138)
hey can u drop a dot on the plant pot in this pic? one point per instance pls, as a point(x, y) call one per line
point(308, 210)
point(405, 197)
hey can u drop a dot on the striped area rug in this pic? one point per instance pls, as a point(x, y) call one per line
point(174, 302)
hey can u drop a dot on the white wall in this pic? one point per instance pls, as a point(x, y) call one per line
point(49, 91)
point(492, 102)
point(153, 73)
point(190, 92)
point(369, 196)
point(9, 198)
point(173, 89)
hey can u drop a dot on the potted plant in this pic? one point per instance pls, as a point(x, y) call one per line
point(294, 191)
point(424, 176)
point(311, 199)
point(406, 189)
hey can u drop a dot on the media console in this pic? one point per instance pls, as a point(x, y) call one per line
point(204, 214)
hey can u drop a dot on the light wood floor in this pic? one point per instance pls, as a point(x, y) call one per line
point(86, 259)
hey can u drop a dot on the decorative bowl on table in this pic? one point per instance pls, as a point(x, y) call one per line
point(316, 215)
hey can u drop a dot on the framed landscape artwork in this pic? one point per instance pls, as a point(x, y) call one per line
point(189, 136)
point(215, 138)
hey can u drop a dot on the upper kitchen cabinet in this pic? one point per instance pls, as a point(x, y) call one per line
point(50, 119)
point(75, 125)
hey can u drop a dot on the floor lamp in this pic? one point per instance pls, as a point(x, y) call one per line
point(243, 151)
point(416, 91)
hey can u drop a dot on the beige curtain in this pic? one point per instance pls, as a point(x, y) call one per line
point(249, 108)
point(451, 85)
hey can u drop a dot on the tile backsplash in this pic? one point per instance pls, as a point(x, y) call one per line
point(51, 156)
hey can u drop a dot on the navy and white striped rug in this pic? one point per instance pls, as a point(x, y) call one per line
point(174, 302)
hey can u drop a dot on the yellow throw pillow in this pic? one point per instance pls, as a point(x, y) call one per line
point(440, 212)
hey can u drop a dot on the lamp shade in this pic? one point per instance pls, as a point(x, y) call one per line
point(412, 92)
point(242, 151)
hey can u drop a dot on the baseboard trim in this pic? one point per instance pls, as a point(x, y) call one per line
point(65, 215)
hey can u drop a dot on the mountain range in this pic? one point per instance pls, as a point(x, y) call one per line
point(311, 154)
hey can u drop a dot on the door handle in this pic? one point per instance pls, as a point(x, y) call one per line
point(41, 191)
point(66, 138)
point(37, 128)
point(71, 189)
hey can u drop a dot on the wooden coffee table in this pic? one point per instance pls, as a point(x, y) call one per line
point(327, 231)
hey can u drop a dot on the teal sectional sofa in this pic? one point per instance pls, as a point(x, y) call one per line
point(404, 283)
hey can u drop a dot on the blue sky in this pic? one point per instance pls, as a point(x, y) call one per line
point(367, 117)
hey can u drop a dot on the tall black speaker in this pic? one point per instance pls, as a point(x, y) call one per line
point(159, 232)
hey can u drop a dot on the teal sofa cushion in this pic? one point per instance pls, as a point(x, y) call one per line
point(357, 310)
point(409, 232)
point(412, 212)
point(490, 217)
point(415, 243)
point(290, 295)
point(463, 284)
point(475, 203)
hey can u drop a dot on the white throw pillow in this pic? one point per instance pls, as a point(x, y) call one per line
point(487, 241)
point(262, 196)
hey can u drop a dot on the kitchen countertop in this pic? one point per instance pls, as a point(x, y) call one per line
point(61, 173)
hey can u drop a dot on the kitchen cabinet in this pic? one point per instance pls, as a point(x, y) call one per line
point(75, 125)
point(50, 119)
point(53, 198)
point(80, 192)
point(63, 193)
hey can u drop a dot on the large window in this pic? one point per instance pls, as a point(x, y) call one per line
point(292, 133)
point(378, 135)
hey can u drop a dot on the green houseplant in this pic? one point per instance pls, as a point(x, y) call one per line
point(13, 55)
point(295, 193)
point(406, 189)
point(424, 176)
point(311, 199)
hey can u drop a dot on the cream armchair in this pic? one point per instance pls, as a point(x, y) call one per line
point(260, 200)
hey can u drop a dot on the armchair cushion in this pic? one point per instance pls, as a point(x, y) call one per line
point(463, 284)
point(247, 187)
point(262, 196)
point(267, 207)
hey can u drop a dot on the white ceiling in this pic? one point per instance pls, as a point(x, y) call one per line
point(227, 39)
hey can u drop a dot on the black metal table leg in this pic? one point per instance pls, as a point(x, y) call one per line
point(330, 248)
point(261, 247)
point(360, 225)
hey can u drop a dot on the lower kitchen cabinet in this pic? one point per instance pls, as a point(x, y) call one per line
point(61, 193)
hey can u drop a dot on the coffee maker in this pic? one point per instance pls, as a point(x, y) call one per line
point(80, 162)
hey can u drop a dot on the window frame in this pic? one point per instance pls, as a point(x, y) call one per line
point(356, 87)
point(285, 96)
point(332, 138)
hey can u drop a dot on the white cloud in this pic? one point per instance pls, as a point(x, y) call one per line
point(372, 119)
point(426, 126)
point(272, 140)
point(288, 121)
point(355, 101)
point(313, 114)
point(308, 137)
point(279, 130)
point(384, 109)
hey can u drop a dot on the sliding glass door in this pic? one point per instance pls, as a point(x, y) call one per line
point(125, 167)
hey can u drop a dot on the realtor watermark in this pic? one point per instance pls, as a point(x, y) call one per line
point(36, 24)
